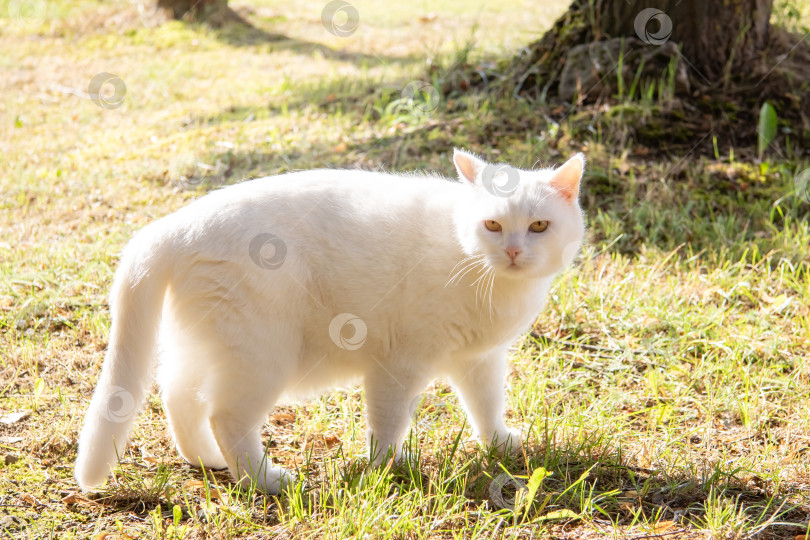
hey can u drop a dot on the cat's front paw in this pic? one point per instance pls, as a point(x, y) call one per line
point(400, 455)
point(379, 458)
point(504, 440)
point(271, 480)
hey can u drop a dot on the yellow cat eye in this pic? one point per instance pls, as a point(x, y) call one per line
point(539, 226)
point(492, 225)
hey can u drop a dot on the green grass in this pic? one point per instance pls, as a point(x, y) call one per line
point(663, 390)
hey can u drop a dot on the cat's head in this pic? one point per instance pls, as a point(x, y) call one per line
point(523, 223)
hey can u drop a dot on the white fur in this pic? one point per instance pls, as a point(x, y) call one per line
point(407, 255)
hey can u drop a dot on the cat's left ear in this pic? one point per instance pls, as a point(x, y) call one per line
point(467, 165)
point(566, 178)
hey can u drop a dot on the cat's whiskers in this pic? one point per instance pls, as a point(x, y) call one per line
point(466, 266)
point(464, 272)
point(480, 284)
point(465, 259)
point(491, 288)
point(463, 262)
point(486, 285)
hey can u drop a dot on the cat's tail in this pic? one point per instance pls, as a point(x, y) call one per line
point(136, 302)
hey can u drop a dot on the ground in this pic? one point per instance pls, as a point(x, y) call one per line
point(663, 390)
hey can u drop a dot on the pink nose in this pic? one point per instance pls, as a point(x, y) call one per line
point(513, 252)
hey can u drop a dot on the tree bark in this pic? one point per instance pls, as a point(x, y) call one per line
point(715, 36)
point(194, 9)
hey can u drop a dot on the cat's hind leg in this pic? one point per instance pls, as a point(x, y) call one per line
point(188, 419)
point(250, 376)
point(237, 428)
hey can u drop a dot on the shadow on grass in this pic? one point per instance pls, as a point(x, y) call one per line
point(594, 482)
point(237, 30)
point(588, 482)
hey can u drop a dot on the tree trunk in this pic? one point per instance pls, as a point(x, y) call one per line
point(194, 9)
point(715, 40)
point(715, 36)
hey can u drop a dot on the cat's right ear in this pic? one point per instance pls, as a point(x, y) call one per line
point(468, 166)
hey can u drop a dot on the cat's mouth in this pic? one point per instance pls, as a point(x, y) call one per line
point(517, 269)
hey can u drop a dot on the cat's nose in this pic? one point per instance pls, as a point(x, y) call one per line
point(513, 252)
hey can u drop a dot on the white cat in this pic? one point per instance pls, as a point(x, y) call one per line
point(293, 283)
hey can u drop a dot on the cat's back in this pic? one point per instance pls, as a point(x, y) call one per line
point(326, 208)
point(337, 186)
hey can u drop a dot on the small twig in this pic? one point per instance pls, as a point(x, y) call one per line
point(658, 535)
point(742, 439)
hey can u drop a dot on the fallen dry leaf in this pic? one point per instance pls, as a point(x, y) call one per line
point(111, 536)
point(280, 419)
point(200, 486)
point(331, 440)
point(30, 499)
point(75, 498)
point(662, 526)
